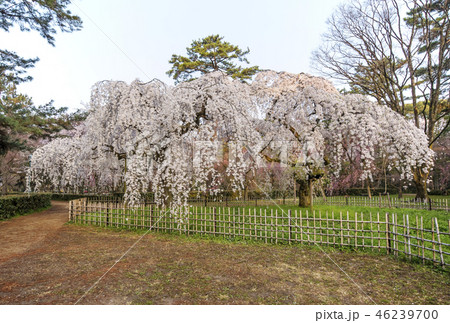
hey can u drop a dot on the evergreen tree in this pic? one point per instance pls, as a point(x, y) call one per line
point(211, 54)
point(21, 121)
point(43, 16)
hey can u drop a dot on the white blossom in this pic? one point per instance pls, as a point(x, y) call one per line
point(151, 136)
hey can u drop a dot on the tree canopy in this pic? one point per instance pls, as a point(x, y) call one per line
point(42, 16)
point(166, 139)
point(211, 54)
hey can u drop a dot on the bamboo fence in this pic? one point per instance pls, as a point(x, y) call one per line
point(415, 238)
point(384, 202)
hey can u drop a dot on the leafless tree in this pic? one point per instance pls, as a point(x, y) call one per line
point(396, 51)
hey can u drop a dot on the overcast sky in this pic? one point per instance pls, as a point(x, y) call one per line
point(125, 40)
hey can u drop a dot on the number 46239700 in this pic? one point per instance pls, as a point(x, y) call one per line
point(407, 314)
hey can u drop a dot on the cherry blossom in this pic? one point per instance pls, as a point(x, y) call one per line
point(168, 139)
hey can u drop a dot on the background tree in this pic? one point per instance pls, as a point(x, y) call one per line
point(24, 126)
point(402, 60)
point(42, 16)
point(211, 54)
point(18, 115)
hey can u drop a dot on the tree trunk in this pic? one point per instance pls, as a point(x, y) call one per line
point(400, 190)
point(304, 193)
point(295, 192)
point(324, 196)
point(368, 190)
point(420, 180)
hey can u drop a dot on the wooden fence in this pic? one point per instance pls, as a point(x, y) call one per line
point(213, 201)
point(427, 239)
point(384, 202)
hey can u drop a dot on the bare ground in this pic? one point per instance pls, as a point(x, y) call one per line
point(44, 261)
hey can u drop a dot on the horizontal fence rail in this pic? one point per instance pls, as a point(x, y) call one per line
point(384, 202)
point(401, 235)
point(212, 201)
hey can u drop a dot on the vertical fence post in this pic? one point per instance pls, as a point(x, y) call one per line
point(408, 236)
point(432, 238)
point(439, 242)
point(314, 225)
point(417, 236)
point(107, 214)
point(214, 220)
point(378, 231)
point(405, 250)
point(265, 225)
point(276, 226)
point(151, 215)
point(234, 223)
point(423, 242)
point(371, 231)
point(70, 210)
point(289, 226)
point(334, 232)
point(301, 227)
point(348, 229)
point(388, 239)
point(395, 234)
point(255, 222)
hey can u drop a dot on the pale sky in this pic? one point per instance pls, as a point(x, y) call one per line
point(125, 40)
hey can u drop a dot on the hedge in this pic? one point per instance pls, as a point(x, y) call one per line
point(66, 197)
point(70, 196)
point(17, 205)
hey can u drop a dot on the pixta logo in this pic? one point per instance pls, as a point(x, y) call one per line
point(337, 315)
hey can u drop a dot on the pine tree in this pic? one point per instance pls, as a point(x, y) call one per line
point(43, 16)
point(211, 54)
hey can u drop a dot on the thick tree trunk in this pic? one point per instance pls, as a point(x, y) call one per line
point(304, 193)
point(420, 180)
point(400, 190)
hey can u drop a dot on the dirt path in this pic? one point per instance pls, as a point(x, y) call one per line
point(23, 233)
point(43, 261)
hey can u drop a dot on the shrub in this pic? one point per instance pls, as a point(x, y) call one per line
point(16, 205)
